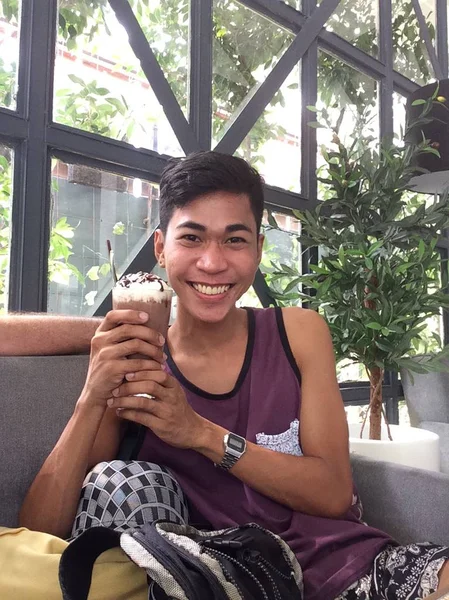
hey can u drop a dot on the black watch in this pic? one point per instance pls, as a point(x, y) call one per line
point(235, 447)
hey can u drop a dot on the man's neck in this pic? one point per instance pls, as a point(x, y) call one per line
point(192, 336)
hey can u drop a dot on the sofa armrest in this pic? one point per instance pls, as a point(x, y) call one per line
point(409, 504)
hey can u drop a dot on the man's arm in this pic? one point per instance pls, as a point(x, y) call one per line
point(42, 334)
point(93, 432)
point(319, 482)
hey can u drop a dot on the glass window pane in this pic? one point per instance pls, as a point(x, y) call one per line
point(99, 84)
point(250, 298)
point(273, 146)
point(356, 414)
point(356, 21)
point(9, 51)
point(399, 115)
point(246, 46)
point(166, 26)
point(348, 103)
point(350, 371)
point(410, 57)
point(90, 206)
point(282, 248)
point(6, 157)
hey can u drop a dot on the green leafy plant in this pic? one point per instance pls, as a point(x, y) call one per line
point(92, 107)
point(379, 276)
point(60, 250)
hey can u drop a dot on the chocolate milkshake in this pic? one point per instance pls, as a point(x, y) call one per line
point(147, 293)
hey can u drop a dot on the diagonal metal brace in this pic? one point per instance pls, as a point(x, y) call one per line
point(425, 35)
point(254, 105)
point(155, 75)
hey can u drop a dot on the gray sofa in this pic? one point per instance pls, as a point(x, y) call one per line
point(37, 398)
point(427, 398)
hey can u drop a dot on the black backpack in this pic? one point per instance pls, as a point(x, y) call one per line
point(240, 563)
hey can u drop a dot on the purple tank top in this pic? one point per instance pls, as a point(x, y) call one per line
point(263, 407)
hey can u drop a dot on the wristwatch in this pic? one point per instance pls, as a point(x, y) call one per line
point(235, 447)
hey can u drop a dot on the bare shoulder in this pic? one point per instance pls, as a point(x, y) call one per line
point(307, 332)
point(303, 319)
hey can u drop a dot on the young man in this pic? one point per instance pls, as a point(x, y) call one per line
point(261, 381)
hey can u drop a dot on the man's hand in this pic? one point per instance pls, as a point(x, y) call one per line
point(122, 333)
point(167, 413)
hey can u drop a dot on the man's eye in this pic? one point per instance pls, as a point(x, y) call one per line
point(190, 237)
point(237, 240)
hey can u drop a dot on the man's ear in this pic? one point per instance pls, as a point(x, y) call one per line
point(159, 244)
point(260, 242)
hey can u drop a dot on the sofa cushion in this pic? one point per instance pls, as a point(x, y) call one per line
point(410, 504)
point(37, 398)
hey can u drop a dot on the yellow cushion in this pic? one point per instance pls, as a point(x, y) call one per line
point(29, 562)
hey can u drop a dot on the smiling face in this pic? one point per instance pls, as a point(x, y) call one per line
point(211, 252)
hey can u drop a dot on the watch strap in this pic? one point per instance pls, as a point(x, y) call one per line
point(228, 461)
point(231, 455)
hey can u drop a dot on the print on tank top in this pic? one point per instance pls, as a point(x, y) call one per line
point(286, 442)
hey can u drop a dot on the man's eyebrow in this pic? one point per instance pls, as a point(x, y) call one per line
point(229, 228)
point(191, 225)
point(238, 227)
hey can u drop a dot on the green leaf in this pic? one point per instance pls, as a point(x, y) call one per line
point(418, 102)
point(374, 325)
point(119, 228)
point(421, 249)
point(292, 285)
point(77, 80)
point(92, 273)
point(271, 220)
point(315, 125)
point(430, 150)
point(312, 108)
point(118, 104)
point(104, 269)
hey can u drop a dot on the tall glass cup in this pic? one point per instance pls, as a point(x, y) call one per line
point(148, 293)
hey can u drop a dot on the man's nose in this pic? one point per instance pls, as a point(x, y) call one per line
point(213, 258)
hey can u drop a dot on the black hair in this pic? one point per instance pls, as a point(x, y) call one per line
point(185, 179)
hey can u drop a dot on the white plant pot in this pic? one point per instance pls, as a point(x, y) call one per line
point(411, 446)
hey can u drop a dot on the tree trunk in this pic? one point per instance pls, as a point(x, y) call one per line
point(376, 375)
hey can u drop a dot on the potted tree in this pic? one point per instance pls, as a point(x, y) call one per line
point(378, 276)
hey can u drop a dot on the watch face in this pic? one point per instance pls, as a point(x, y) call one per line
point(235, 442)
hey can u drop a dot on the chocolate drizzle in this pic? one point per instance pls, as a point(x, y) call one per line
point(140, 278)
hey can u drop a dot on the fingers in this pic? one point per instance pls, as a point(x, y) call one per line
point(130, 347)
point(128, 331)
point(163, 378)
point(155, 386)
point(141, 403)
point(117, 317)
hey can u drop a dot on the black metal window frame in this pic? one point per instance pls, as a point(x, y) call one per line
point(36, 138)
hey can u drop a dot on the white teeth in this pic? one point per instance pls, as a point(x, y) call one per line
point(211, 291)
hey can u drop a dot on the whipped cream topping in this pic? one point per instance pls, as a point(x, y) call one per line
point(142, 280)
